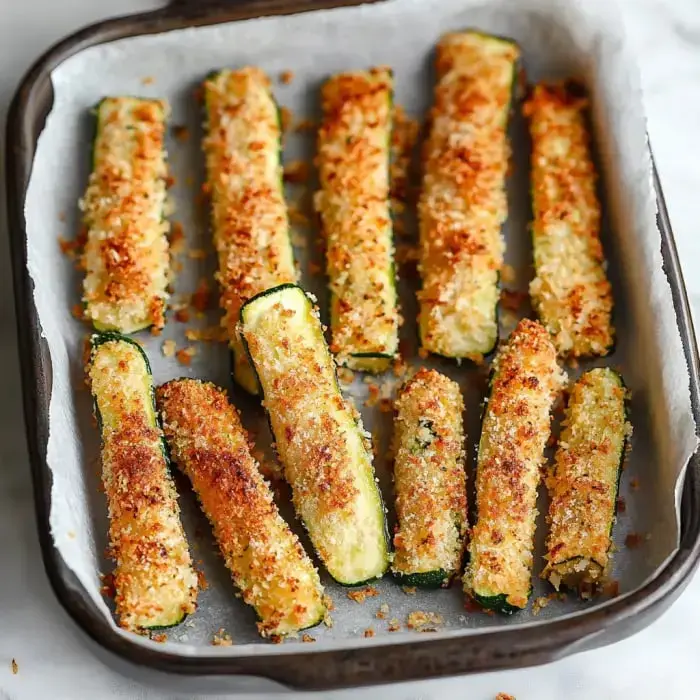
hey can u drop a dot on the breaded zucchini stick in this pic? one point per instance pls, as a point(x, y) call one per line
point(126, 255)
point(267, 562)
point(585, 483)
point(570, 291)
point(463, 204)
point(516, 425)
point(354, 143)
point(319, 436)
point(155, 583)
point(248, 213)
point(429, 479)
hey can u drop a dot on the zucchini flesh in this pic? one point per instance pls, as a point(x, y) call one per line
point(354, 143)
point(267, 562)
point(463, 205)
point(515, 428)
point(585, 482)
point(570, 291)
point(429, 480)
point(319, 437)
point(248, 212)
point(126, 254)
point(155, 583)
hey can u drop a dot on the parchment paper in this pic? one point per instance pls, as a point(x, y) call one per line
point(558, 39)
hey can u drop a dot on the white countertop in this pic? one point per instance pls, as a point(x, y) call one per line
point(54, 658)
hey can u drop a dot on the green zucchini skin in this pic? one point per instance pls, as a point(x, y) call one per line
point(355, 551)
point(429, 579)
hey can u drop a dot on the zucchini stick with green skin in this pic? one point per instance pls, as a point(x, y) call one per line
point(584, 485)
point(570, 292)
point(463, 205)
point(155, 583)
point(516, 426)
point(354, 143)
point(126, 254)
point(248, 212)
point(429, 479)
point(319, 437)
point(267, 562)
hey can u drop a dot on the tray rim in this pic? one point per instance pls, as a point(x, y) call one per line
point(487, 650)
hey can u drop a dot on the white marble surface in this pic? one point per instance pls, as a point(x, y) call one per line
point(55, 659)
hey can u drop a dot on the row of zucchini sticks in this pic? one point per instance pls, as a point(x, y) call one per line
point(280, 350)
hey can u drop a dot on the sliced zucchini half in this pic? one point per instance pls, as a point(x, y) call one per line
point(584, 485)
point(249, 217)
point(319, 436)
point(354, 143)
point(462, 206)
point(515, 428)
point(155, 583)
point(429, 480)
point(126, 256)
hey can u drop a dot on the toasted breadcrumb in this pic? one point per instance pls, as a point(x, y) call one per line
point(620, 505)
point(159, 637)
point(286, 119)
point(286, 77)
point(634, 484)
point(210, 334)
point(505, 696)
point(409, 590)
point(298, 217)
point(512, 300)
point(507, 273)
point(369, 632)
point(148, 80)
point(184, 356)
point(182, 315)
point(222, 639)
point(15, 667)
point(423, 621)
point(307, 638)
point(181, 133)
point(306, 125)
point(201, 299)
point(296, 172)
point(328, 602)
point(177, 238)
point(196, 253)
point(361, 595)
point(394, 625)
point(202, 580)
point(78, 311)
point(107, 587)
point(328, 620)
point(383, 611)
point(168, 348)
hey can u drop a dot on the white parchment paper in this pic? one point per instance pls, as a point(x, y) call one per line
point(558, 38)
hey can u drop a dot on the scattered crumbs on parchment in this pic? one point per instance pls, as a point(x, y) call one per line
point(107, 585)
point(369, 632)
point(409, 590)
point(209, 334)
point(155, 331)
point(182, 315)
point(78, 311)
point(634, 484)
point(513, 300)
point(507, 273)
point(168, 348)
point(181, 133)
point(373, 397)
point(184, 355)
point(633, 540)
point(306, 125)
point(159, 637)
point(307, 638)
point(177, 238)
point(201, 299)
point(296, 216)
point(202, 580)
point(222, 639)
point(296, 172)
point(148, 80)
point(286, 119)
point(286, 77)
point(361, 595)
point(544, 600)
point(328, 620)
point(276, 639)
point(328, 602)
point(383, 611)
point(170, 182)
point(15, 667)
point(505, 696)
point(394, 625)
point(423, 621)
point(72, 248)
point(620, 505)
point(400, 366)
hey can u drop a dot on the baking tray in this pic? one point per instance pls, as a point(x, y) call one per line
point(301, 665)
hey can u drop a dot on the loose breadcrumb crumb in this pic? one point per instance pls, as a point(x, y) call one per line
point(78, 311)
point(307, 638)
point(168, 348)
point(422, 621)
point(507, 273)
point(15, 667)
point(369, 632)
point(328, 621)
point(107, 587)
point(296, 172)
point(394, 625)
point(306, 125)
point(286, 119)
point(362, 595)
point(286, 77)
point(409, 590)
point(505, 696)
point(210, 334)
point(543, 601)
point(513, 300)
point(276, 639)
point(185, 355)
point(197, 253)
point(612, 588)
point(202, 580)
point(634, 484)
point(201, 299)
point(177, 238)
point(222, 638)
point(328, 602)
point(620, 505)
point(383, 611)
point(159, 637)
point(298, 217)
point(182, 315)
point(147, 80)
point(181, 133)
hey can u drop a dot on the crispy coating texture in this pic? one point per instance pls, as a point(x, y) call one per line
point(429, 477)
point(526, 380)
point(353, 158)
point(248, 212)
point(583, 488)
point(570, 291)
point(155, 583)
point(266, 560)
point(126, 255)
point(463, 203)
point(318, 435)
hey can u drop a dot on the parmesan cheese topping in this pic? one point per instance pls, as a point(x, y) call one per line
point(514, 433)
point(430, 483)
point(463, 204)
point(570, 292)
point(248, 211)
point(155, 583)
point(319, 436)
point(266, 559)
point(353, 158)
point(126, 254)
point(583, 488)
